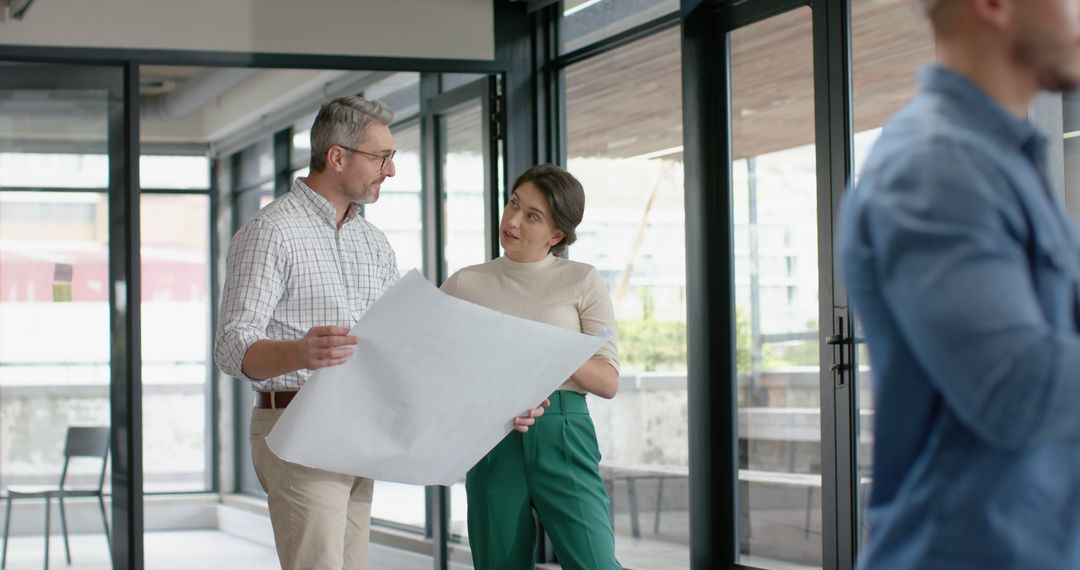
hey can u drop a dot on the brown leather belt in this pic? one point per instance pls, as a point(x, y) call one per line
point(274, 400)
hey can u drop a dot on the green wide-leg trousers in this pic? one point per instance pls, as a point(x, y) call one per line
point(554, 468)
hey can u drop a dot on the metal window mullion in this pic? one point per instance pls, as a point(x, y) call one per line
point(710, 293)
point(551, 92)
point(833, 134)
point(618, 40)
point(437, 498)
point(282, 149)
point(240, 431)
point(490, 116)
point(741, 14)
point(125, 388)
point(213, 405)
point(431, 169)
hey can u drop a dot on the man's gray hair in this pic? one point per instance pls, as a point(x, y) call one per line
point(343, 121)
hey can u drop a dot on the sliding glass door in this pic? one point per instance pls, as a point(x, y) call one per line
point(69, 302)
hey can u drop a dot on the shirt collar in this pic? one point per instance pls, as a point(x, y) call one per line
point(981, 112)
point(322, 207)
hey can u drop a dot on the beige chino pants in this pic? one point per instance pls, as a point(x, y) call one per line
point(321, 520)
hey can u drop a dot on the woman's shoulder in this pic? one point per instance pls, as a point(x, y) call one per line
point(477, 283)
point(577, 269)
point(478, 269)
point(467, 275)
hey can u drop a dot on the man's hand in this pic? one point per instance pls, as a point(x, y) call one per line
point(522, 422)
point(324, 346)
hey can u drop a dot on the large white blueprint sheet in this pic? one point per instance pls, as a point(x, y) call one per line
point(432, 386)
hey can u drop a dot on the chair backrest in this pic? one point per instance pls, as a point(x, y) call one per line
point(86, 442)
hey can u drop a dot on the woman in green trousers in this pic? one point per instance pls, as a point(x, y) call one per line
point(554, 467)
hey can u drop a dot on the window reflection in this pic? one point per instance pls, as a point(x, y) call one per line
point(175, 328)
point(53, 285)
point(627, 152)
point(398, 211)
point(774, 197)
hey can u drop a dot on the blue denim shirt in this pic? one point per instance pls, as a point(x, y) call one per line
point(965, 270)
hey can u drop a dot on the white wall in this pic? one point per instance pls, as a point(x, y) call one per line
point(453, 29)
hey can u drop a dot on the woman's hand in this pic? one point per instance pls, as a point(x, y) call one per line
point(522, 422)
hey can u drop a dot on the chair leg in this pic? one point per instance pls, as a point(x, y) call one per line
point(7, 527)
point(104, 524)
point(809, 500)
point(48, 509)
point(659, 503)
point(63, 526)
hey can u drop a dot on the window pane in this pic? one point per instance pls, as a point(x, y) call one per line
point(49, 170)
point(301, 141)
point(627, 152)
point(54, 327)
point(398, 211)
point(248, 202)
point(889, 42)
point(54, 356)
point(463, 186)
point(463, 183)
point(175, 329)
point(55, 349)
point(774, 197)
point(257, 164)
point(174, 172)
point(588, 21)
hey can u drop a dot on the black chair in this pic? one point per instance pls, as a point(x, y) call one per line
point(81, 442)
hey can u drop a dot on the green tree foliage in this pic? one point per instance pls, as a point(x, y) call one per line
point(651, 345)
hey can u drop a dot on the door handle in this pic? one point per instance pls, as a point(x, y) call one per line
point(840, 366)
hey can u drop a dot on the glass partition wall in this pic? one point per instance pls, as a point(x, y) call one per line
point(775, 249)
point(627, 152)
point(792, 95)
point(69, 342)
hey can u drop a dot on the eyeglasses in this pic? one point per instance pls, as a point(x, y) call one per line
point(384, 158)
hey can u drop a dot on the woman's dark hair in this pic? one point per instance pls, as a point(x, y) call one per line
point(565, 198)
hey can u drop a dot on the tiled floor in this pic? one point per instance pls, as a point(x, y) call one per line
point(185, 550)
point(216, 550)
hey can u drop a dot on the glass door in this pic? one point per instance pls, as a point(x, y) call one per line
point(799, 428)
point(69, 311)
point(774, 196)
point(464, 128)
point(463, 172)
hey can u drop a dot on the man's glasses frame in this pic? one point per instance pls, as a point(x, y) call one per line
point(383, 157)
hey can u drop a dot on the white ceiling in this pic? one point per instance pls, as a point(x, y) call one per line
point(192, 105)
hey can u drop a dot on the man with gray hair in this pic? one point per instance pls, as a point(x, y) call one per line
point(965, 269)
point(299, 275)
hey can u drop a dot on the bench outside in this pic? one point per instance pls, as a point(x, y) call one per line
point(631, 474)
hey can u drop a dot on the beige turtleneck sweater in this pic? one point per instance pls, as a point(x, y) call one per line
point(554, 291)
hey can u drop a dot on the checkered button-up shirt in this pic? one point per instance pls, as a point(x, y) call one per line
point(291, 268)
